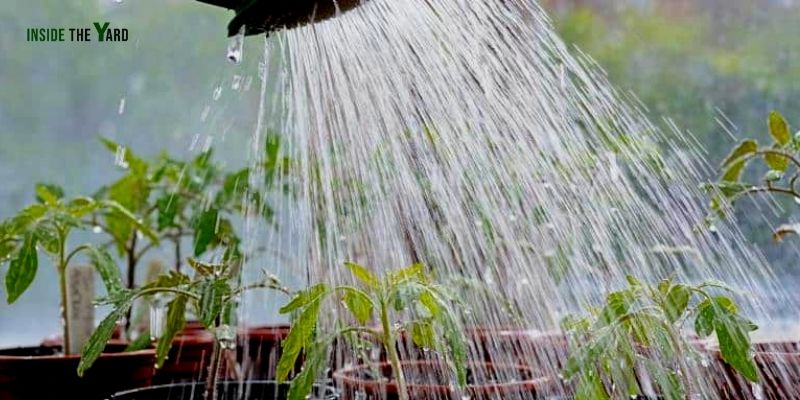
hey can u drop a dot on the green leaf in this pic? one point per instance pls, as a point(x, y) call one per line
point(359, 304)
point(677, 301)
point(303, 383)
point(22, 269)
point(423, 335)
point(48, 194)
point(129, 159)
point(205, 230)
point(176, 321)
point(107, 269)
point(140, 343)
point(168, 207)
point(212, 294)
point(118, 213)
point(6, 250)
point(704, 323)
point(363, 274)
point(617, 305)
point(412, 272)
point(299, 337)
point(48, 237)
point(779, 129)
point(304, 298)
point(744, 148)
point(776, 162)
point(734, 171)
point(100, 337)
point(734, 344)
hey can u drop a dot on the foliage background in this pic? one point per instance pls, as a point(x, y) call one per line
point(698, 62)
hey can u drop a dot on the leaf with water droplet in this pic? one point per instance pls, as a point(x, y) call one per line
point(363, 274)
point(744, 149)
point(176, 321)
point(97, 342)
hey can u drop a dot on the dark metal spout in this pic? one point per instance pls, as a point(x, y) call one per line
point(267, 16)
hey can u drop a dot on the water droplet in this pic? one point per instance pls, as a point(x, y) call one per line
point(236, 47)
point(121, 108)
point(156, 319)
point(248, 82)
point(237, 83)
point(119, 157)
point(97, 229)
point(118, 1)
point(205, 113)
point(217, 92)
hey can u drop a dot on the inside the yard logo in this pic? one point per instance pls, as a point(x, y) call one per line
point(106, 34)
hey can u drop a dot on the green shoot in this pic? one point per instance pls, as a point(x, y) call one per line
point(638, 330)
point(409, 290)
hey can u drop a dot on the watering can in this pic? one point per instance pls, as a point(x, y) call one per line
point(266, 16)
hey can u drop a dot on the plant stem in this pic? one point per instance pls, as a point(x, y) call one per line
point(391, 348)
point(62, 281)
point(132, 260)
point(213, 371)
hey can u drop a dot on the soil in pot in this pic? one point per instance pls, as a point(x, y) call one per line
point(259, 351)
point(429, 380)
point(233, 390)
point(39, 373)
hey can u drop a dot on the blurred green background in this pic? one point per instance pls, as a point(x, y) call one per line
point(696, 62)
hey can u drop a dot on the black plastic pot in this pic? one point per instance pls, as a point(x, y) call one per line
point(245, 390)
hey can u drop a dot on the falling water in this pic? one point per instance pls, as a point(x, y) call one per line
point(466, 135)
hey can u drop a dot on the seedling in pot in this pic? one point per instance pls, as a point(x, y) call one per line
point(45, 228)
point(186, 199)
point(782, 159)
point(212, 294)
point(636, 337)
point(432, 323)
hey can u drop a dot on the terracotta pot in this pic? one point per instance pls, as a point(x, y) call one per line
point(429, 380)
point(779, 366)
point(188, 359)
point(542, 351)
point(253, 390)
point(260, 349)
point(37, 373)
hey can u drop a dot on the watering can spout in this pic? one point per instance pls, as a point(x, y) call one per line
point(267, 16)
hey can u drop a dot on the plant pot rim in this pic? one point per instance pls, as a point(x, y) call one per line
point(200, 383)
point(345, 377)
point(61, 357)
point(265, 330)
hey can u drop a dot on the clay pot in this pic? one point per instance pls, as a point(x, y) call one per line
point(429, 380)
point(36, 373)
point(235, 390)
point(779, 366)
point(542, 351)
point(260, 349)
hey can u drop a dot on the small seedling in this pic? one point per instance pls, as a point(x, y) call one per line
point(638, 332)
point(434, 324)
point(181, 199)
point(211, 294)
point(46, 227)
point(782, 159)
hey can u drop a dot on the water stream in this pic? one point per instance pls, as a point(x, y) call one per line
point(468, 136)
